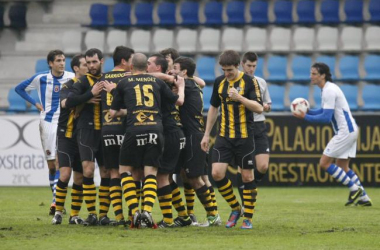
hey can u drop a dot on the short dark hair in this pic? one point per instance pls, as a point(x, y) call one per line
point(139, 61)
point(52, 54)
point(76, 61)
point(186, 63)
point(229, 57)
point(173, 52)
point(322, 68)
point(160, 60)
point(121, 52)
point(94, 51)
point(249, 56)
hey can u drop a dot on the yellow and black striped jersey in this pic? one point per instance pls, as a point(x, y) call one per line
point(236, 121)
point(66, 121)
point(90, 115)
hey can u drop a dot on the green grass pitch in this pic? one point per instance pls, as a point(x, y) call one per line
point(285, 218)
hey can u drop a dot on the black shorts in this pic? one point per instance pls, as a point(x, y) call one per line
point(141, 149)
point(193, 158)
point(261, 138)
point(242, 150)
point(111, 143)
point(174, 143)
point(68, 152)
point(90, 147)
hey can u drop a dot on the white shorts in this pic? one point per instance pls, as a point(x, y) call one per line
point(48, 133)
point(342, 146)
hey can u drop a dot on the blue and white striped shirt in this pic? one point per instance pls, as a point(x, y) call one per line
point(48, 87)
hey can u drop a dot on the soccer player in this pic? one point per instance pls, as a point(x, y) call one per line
point(336, 156)
point(239, 96)
point(89, 134)
point(113, 130)
point(48, 85)
point(170, 55)
point(174, 142)
point(142, 94)
point(249, 64)
point(67, 151)
point(194, 159)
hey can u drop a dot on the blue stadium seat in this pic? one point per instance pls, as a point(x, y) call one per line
point(372, 67)
point(235, 12)
point(351, 93)
point(260, 68)
point(68, 64)
point(34, 94)
point(277, 69)
point(99, 15)
point(206, 68)
point(16, 102)
point(371, 97)
point(207, 93)
point(354, 11)
point(144, 14)
point(277, 96)
point(283, 12)
point(41, 65)
point(108, 64)
point(317, 97)
point(17, 16)
point(166, 13)
point(190, 13)
point(297, 90)
point(330, 11)
point(259, 12)
point(349, 68)
point(306, 11)
point(374, 10)
point(329, 61)
point(213, 12)
point(121, 14)
point(301, 68)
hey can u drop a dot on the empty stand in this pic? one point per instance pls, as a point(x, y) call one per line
point(206, 68)
point(372, 67)
point(72, 41)
point(349, 68)
point(351, 38)
point(303, 39)
point(317, 95)
point(99, 15)
point(187, 40)
point(329, 61)
point(296, 91)
point(354, 11)
point(256, 39)
point(232, 38)
point(162, 39)
point(301, 68)
point(41, 65)
point(330, 11)
point(68, 64)
point(372, 38)
point(351, 93)
point(116, 38)
point(259, 12)
point(16, 103)
point(209, 40)
point(144, 13)
point(235, 12)
point(327, 38)
point(140, 40)
point(17, 16)
point(280, 39)
point(306, 12)
point(374, 10)
point(190, 13)
point(283, 12)
point(121, 14)
point(95, 39)
point(166, 13)
point(108, 64)
point(277, 96)
point(276, 67)
point(213, 12)
point(207, 93)
point(260, 68)
point(371, 97)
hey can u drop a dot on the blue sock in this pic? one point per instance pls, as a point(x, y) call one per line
point(341, 177)
point(356, 180)
point(51, 181)
point(55, 184)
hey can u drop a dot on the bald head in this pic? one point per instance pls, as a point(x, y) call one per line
point(139, 62)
